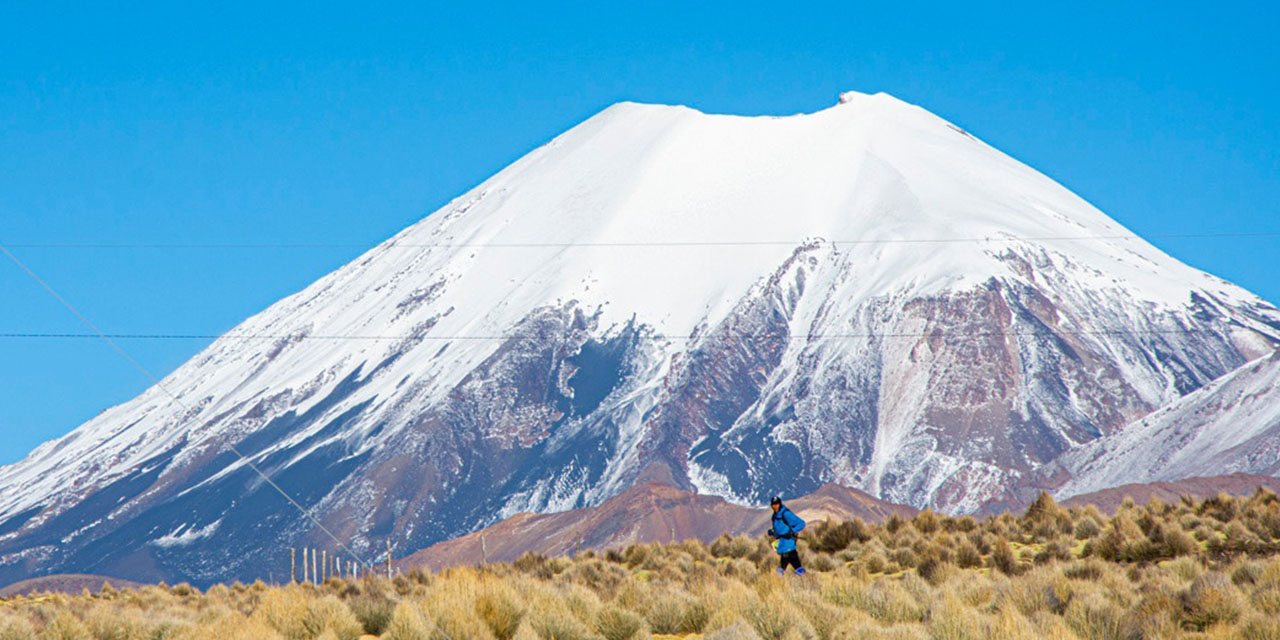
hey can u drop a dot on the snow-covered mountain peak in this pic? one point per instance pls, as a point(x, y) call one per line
point(849, 96)
point(865, 295)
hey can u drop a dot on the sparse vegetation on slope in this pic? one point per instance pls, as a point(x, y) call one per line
point(1188, 569)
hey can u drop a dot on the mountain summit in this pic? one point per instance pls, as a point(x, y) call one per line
point(739, 306)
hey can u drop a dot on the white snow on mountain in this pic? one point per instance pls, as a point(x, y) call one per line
point(1228, 426)
point(866, 295)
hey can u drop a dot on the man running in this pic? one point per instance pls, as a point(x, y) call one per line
point(786, 525)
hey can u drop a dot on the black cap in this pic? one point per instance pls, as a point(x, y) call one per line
point(776, 500)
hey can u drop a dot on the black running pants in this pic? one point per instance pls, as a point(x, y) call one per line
point(789, 558)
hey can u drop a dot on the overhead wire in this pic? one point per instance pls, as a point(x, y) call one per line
point(160, 385)
point(656, 336)
point(177, 400)
point(109, 339)
point(618, 244)
point(630, 243)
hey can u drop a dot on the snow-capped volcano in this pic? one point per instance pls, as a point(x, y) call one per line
point(865, 295)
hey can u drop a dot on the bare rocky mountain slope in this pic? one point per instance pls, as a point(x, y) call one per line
point(1231, 425)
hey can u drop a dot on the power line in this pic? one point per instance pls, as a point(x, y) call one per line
point(266, 478)
point(243, 458)
point(657, 336)
point(634, 244)
point(156, 382)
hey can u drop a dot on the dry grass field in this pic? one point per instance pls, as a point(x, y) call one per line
point(1188, 569)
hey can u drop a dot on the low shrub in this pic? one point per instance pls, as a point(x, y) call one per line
point(967, 555)
point(615, 623)
point(501, 612)
point(1003, 560)
point(373, 611)
point(935, 571)
point(407, 623)
point(1211, 599)
point(1142, 574)
point(727, 546)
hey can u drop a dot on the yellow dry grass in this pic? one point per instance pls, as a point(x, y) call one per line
point(1207, 569)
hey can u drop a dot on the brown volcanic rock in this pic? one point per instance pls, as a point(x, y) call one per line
point(837, 503)
point(1236, 484)
point(644, 513)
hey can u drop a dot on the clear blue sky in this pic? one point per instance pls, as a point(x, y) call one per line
point(317, 123)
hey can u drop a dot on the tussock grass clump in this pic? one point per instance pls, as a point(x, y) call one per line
point(727, 546)
point(832, 538)
point(501, 610)
point(374, 612)
point(1177, 569)
point(949, 619)
point(328, 615)
point(15, 628)
point(616, 623)
point(285, 611)
point(407, 623)
point(1211, 599)
point(967, 555)
point(778, 619)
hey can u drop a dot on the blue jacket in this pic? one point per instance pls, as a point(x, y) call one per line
point(786, 525)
